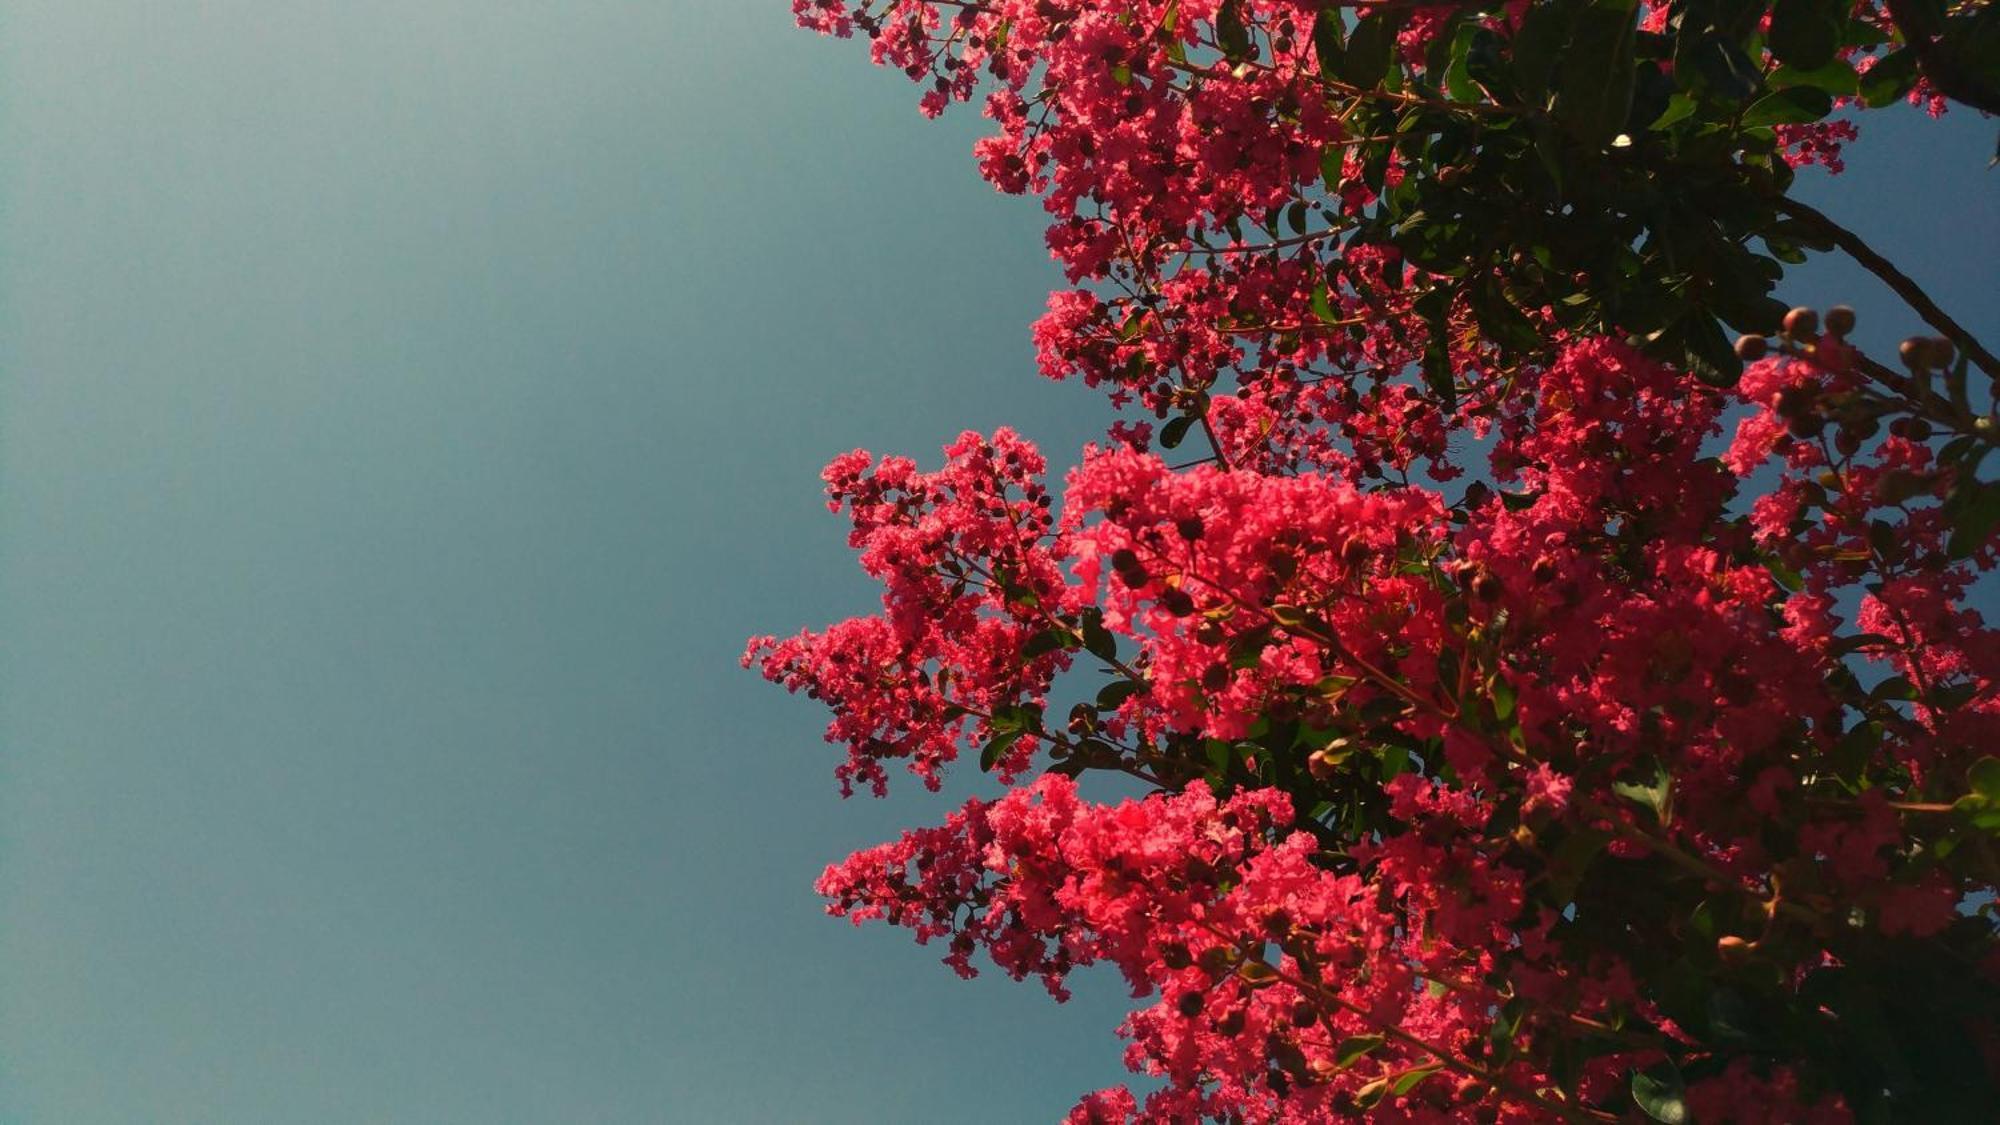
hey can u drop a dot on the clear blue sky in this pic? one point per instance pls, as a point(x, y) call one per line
point(406, 410)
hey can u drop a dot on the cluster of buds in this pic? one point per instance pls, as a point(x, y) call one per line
point(1808, 411)
point(1800, 332)
point(1926, 353)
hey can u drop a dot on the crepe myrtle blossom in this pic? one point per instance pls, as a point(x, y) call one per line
point(1531, 726)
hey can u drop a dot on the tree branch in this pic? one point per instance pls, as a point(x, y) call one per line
point(1895, 279)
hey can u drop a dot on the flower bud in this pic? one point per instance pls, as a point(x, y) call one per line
point(1915, 353)
point(1801, 323)
point(1839, 321)
point(1750, 349)
point(1278, 922)
point(1917, 429)
point(1794, 401)
point(1216, 678)
point(1083, 719)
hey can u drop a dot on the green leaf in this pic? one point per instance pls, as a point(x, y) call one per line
point(1652, 92)
point(1712, 61)
point(996, 748)
point(1679, 108)
point(1894, 688)
point(1098, 641)
point(1571, 860)
point(1983, 813)
point(1485, 66)
point(1370, 49)
point(1984, 777)
point(1322, 304)
point(1795, 105)
point(1502, 320)
point(1805, 33)
point(1328, 40)
point(1785, 252)
point(1742, 298)
point(1071, 767)
point(1732, 1020)
point(1230, 33)
point(1046, 641)
point(1853, 752)
point(1395, 760)
point(1117, 692)
point(1594, 91)
point(1709, 355)
point(1405, 1082)
point(1175, 431)
point(1332, 163)
point(1458, 83)
point(1354, 1047)
point(1507, 1022)
point(1790, 579)
point(1887, 81)
point(1656, 793)
point(1538, 46)
point(1437, 56)
point(1661, 1093)
point(1974, 519)
point(1836, 77)
point(1435, 307)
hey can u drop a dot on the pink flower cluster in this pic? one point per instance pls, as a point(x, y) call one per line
point(968, 577)
point(1514, 664)
point(1272, 976)
point(1625, 772)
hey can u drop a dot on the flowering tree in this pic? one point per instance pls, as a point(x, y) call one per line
point(1643, 773)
